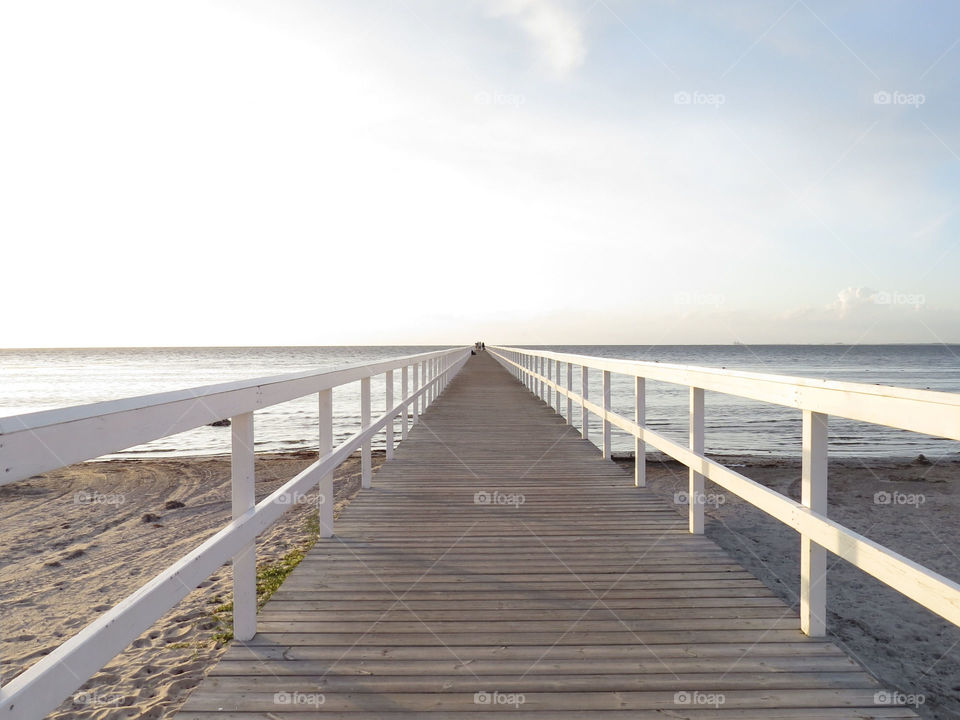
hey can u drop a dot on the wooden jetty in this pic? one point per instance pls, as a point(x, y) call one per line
point(499, 564)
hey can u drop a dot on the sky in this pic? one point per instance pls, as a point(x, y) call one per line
point(522, 171)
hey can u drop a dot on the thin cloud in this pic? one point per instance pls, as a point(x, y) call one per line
point(554, 29)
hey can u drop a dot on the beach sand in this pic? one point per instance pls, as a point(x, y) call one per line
point(76, 541)
point(917, 514)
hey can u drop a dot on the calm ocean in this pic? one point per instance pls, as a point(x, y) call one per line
point(32, 380)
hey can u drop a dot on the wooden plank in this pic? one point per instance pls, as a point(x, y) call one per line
point(588, 597)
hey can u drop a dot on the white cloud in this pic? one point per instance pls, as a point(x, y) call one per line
point(850, 299)
point(555, 30)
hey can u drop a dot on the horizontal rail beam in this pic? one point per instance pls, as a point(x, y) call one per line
point(923, 411)
point(34, 443)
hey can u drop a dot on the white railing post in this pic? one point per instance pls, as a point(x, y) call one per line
point(606, 416)
point(585, 392)
point(326, 447)
point(813, 494)
point(419, 373)
point(695, 489)
point(244, 499)
point(549, 378)
point(405, 394)
point(366, 466)
point(557, 394)
point(389, 428)
point(425, 372)
point(416, 401)
point(429, 380)
point(640, 447)
point(540, 371)
point(569, 390)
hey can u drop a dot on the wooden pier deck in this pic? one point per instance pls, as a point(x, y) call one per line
point(588, 599)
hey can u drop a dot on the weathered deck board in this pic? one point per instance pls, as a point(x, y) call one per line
point(589, 598)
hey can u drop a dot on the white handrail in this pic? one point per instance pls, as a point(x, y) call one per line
point(922, 411)
point(38, 442)
point(933, 413)
point(88, 431)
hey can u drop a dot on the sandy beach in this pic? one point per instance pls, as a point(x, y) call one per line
point(911, 507)
point(78, 540)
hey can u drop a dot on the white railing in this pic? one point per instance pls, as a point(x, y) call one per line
point(923, 411)
point(38, 442)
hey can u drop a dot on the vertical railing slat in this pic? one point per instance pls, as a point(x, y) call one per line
point(813, 558)
point(366, 466)
point(585, 393)
point(569, 390)
point(416, 401)
point(432, 372)
point(549, 379)
point(243, 492)
point(405, 394)
point(695, 489)
point(389, 428)
point(607, 428)
point(325, 486)
point(639, 446)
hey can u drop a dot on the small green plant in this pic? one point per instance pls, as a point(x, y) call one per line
point(269, 578)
